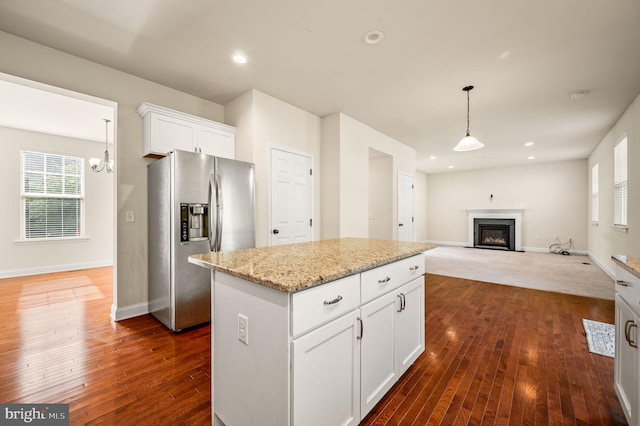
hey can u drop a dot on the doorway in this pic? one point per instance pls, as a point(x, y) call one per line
point(406, 223)
point(380, 195)
point(43, 118)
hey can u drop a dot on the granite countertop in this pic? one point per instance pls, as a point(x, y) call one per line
point(630, 263)
point(294, 267)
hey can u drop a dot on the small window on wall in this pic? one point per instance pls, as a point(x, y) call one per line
point(620, 183)
point(594, 193)
point(52, 196)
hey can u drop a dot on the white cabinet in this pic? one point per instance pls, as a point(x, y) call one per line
point(321, 356)
point(627, 368)
point(326, 372)
point(626, 361)
point(393, 338)
point(164, 130)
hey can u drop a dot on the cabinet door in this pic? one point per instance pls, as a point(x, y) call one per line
point(168, 133)
point(326, 374)
point(410, 333)
point(378, 369)
point(216, 142)
point(626, 360)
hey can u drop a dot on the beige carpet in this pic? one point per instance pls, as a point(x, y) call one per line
point(573, 274)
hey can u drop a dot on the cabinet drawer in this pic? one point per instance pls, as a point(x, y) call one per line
point(628, 286)
point(383, 279)
point(317, 305)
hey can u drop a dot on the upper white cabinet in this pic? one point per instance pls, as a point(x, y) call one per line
point(164, 130)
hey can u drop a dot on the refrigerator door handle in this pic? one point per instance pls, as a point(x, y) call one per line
point(210, 214)
point(218, 213)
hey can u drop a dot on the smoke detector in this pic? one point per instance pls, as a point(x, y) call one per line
point(578, 94)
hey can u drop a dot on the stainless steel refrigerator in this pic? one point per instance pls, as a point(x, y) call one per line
point(197, 203)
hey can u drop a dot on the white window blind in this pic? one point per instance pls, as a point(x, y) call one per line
point(594, 193)
point(620, 183)
point(52, 195)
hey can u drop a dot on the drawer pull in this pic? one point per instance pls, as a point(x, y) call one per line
point(622, 283)
point(334, 301)
point(414, 268)
point(386, 280)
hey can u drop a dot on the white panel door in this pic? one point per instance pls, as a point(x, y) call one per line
point(405, 207)
point(326, 374)
point(291, 192)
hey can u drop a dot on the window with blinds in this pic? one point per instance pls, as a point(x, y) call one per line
point(594, 193)
point(52, 195)
point(620, 183)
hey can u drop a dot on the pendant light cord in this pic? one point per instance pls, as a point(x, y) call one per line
point(468, 112)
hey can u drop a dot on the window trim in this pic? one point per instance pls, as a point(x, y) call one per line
point(595, 195)
point(621, 183)
point(26, 195)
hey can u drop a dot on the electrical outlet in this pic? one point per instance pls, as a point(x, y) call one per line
point(243, 329)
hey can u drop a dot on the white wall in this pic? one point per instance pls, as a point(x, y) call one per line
point(26, 258)
point(263, 122)
point(345, 147)
point(39, 63)
point(604, 239)
point(553, 196)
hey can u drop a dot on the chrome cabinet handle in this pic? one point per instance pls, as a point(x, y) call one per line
point(334, 301)
point(399, 296)
point(404, 301)
point(622, 283)
point(414, 268)
point(361, 329)
point(386, 280)
point(626, 330)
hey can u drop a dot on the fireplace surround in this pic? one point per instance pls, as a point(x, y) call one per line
point(502, 228)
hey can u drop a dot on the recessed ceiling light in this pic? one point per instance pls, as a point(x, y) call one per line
point(531, 157)
point(433, 157)
point(451, 167)
point(528, 143)
point(239, 58)
point(373, 37)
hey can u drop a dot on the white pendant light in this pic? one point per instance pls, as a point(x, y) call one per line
point(468, 143)
point(107, 163)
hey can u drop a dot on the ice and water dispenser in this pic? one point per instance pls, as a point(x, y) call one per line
point(194, 222)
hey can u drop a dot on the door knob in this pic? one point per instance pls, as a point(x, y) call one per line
point(275, 231)
point(400, 224)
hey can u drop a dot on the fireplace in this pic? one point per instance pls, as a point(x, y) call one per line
point(487, 216)
point(498, 234)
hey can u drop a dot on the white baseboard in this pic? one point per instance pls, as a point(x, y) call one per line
point(54, 268)
point(600, 265)
point(126, 312)
point(530, 249)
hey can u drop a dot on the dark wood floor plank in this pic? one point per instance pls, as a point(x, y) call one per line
point(494, 355)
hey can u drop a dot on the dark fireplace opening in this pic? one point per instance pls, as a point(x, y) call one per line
point(496, 234)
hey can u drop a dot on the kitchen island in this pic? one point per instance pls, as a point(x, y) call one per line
point(312, 333)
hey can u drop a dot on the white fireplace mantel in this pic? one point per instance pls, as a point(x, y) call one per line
point(515, 214)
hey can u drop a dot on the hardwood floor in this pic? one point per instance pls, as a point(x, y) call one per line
point(503, 355)
point(58, 345)
point(495, 355)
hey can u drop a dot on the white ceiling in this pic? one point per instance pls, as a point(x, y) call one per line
point(524, 58)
